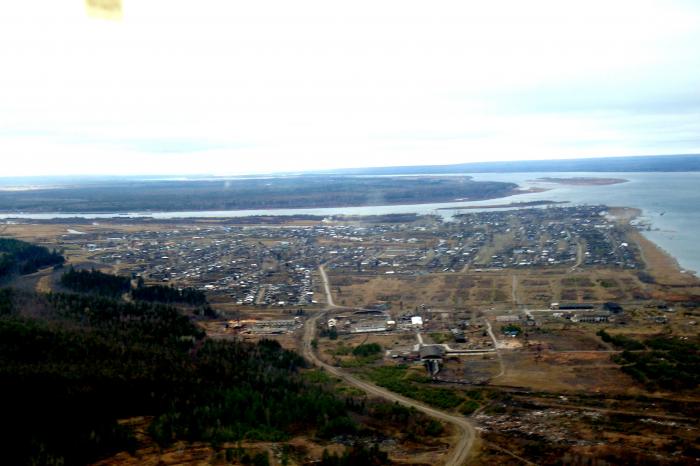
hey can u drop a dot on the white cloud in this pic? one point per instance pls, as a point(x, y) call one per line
point(259, 86)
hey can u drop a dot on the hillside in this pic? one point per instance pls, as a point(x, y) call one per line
point(72, 365)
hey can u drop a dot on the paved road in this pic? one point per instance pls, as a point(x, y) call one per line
point(465, 429)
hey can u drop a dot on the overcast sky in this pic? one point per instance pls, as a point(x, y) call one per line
point(255, 86)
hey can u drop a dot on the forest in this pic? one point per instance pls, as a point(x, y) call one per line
point(18, 256)
point(249, 193)
point(661, 362)
point(169, 294)
point(71, 365)
point(94, 281)
point(104, 284)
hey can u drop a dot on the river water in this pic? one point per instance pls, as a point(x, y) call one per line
point(670, 205)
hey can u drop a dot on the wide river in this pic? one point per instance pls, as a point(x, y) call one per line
point(670, 204)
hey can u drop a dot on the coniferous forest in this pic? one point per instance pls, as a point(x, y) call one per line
point(170, 294)
point(18, 256)
point(94, 281)
point(72, 365)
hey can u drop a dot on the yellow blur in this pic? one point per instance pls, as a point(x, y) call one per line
point(104, 9)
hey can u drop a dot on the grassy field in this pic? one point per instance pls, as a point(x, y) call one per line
point(488, 289)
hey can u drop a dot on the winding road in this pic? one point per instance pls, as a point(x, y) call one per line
point(465, 430)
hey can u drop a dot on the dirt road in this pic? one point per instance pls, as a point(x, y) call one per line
point(580, 256)
point(326, 287)
point(501, 364)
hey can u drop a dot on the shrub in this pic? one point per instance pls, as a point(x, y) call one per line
point(367, 349)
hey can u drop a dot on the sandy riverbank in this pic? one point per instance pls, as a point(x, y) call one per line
point(659, 263)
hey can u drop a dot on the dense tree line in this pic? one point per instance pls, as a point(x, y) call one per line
point(6, 305)
point(94, 281)
point(68, 376)
point(367, 349)
point(356, 455)
point(416, 425)
point(669, 363)
point(621, 341)
point(169, 294)
point(104, 284)
point(18, 256)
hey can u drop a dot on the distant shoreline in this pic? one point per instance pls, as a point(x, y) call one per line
point(512, 205)
point(582, 181)
point(146, 198)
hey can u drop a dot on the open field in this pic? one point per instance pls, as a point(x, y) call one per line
point(486, 289)
point(574, 373)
